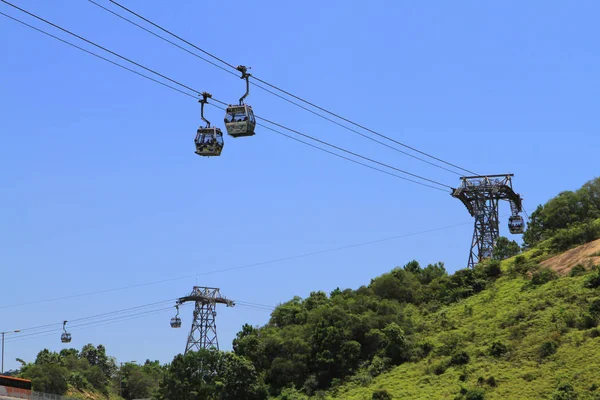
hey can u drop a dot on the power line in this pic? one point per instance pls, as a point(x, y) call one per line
point(129, 316)
point(346, 151)
point(235, 268)
point(96, 55)
point(267, 90)
point(219, 101)
point(160, 37)
point(123, 318)
point(97, 45)
point(347, 158)
point(355, 154)
point(16, 338)
point(192, 96)
point(292, 95)
point(97, 316)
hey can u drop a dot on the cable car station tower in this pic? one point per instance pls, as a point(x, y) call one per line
point(481, 195)
point(203, 334)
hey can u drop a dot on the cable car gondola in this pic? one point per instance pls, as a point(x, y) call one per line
point(65, 337)
point(516, 225)
point(176, 321)
point(209, 140)
point(240, 120)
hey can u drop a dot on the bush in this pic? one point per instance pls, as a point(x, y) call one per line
point(475, 394)
point(491, 381)
point(77, 380)
point(498, 349)
point(381, 394)
point(594, 309)
point(530, 376)
point(542, 276)
point(292, 394)
point(378, 365)
point(519, 266)
point(440, 368)
point(362, 378)
point(593, 281)
point(564, 391)
point(460, 358)
point(576, 234)
point(548, 348)
point(492, 269)
point(570, 318)
point(577, 270)
point(587, 322)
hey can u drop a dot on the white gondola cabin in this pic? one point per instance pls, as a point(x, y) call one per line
point(516, 225)
point(240, 121)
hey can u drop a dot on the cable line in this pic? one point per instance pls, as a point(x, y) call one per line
point(96, 55)
point(290, 94)
point(270, 91)
point(17, 338)
point(239, 267)
point(99, 315)
point(347, 158)
point(356, 154)
point(249, 305)
point(346, 151)
point(160, 37)
point(219, 101)
point(97, 45)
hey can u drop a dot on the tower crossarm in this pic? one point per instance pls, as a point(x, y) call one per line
point(206, 295)
point(476, 189)
point(206, 300)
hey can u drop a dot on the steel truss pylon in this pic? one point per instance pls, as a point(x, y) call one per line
point(203, 333)
point(481, 196)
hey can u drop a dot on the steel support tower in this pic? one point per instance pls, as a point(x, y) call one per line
point(203, 334)
point(481, 195)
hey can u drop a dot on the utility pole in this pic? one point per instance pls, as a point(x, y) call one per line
point(481, 195)
point(3, 333)
point(203, 333)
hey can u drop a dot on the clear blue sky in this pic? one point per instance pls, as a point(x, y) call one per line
point(101, 187)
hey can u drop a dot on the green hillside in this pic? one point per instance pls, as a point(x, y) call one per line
point(521, 341)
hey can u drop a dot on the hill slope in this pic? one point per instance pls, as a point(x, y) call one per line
point(584, 255)
point(542, 336)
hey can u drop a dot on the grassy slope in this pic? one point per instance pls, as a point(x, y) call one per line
point(521, 319)
point(89, 395)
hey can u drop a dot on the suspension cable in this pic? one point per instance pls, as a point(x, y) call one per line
point(290, 94)
point(272, 92)
point(198, 92)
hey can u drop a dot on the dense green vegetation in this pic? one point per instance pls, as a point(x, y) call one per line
point(81, 373)
point(571, 218)
point(505, 329)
